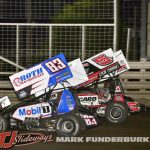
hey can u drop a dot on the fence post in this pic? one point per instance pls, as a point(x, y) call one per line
point(50, 41)
point(128, 43)
point(11, 62)
point(83, 42)
point(17, 46)
point(115, 25)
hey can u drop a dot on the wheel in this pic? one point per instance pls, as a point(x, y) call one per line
point(116, 112)
point(3, 124)
point(68, 125)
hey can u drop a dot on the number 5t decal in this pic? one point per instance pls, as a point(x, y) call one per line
point(103, 60)
point(55, 65)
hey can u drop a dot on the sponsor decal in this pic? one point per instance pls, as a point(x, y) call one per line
point(108, 70)
point(37, 110)
point(22, 94)
point(69, 102)
point(103, 60)
point(55, 65)
point(28, 77)
point(92, 78)
point(17, 82)
point(121, 68)
point(87, 98)
point(32, 111)
point(89, 120)
point(13, 138)
point(133, 106)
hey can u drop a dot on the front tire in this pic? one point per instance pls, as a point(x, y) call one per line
point(116, 112)
point(68, 125)
point(3, 124)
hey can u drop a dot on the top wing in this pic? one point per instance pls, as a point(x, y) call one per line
point(124, 66)
point(41, 76)
point(103, 66)
point(79, 76)
point(98, 67)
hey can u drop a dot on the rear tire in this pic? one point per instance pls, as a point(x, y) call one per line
point(3, 124)
point(116, 112)
point(68, 125)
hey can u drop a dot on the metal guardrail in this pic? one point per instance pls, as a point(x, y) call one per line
point(11, 62)
point(137, 80)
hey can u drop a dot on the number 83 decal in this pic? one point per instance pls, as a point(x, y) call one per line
point(55, 65)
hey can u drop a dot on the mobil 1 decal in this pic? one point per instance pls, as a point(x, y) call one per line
point(37, 110)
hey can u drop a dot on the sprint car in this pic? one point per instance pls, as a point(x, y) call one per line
point(43, 113)
point(109, 101)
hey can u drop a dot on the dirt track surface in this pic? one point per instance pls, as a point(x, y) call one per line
point(137, 125)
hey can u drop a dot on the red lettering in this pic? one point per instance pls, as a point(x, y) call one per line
point(3, 136)
point(103, 60)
